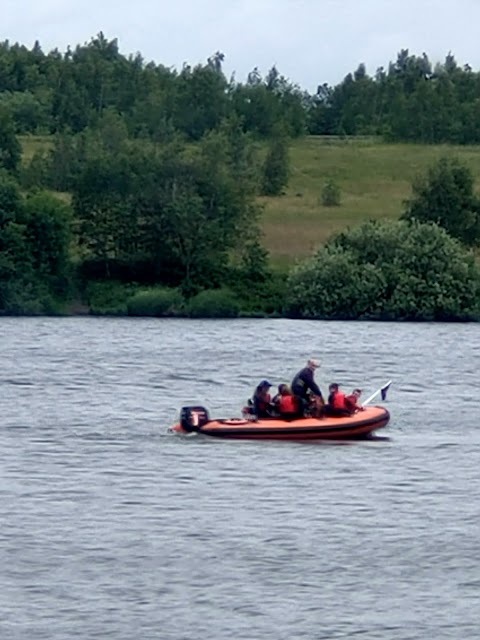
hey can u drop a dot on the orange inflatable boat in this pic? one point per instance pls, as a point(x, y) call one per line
point(358, 425)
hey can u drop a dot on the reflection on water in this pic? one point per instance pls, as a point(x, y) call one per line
point(111, 527)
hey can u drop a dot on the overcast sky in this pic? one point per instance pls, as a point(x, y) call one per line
point(310, 41)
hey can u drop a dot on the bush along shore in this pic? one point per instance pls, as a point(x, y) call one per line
point(377, 271)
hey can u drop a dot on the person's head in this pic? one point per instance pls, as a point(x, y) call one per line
point(284, 390)
point(264, 385)
point(357, 393)
point(313, 364)
point(333, 387)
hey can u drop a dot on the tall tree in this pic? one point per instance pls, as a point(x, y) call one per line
point(10, 149)
point(276, 168)
point(446, 196)
point(48, 227)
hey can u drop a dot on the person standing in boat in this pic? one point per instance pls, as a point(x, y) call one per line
point(304, 386)
point(262, 400)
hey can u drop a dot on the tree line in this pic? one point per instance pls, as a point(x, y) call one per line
point(410, 100)
point(57, 92)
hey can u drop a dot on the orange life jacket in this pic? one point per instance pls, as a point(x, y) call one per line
point(287, 404)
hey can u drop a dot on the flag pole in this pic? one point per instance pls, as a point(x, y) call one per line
point(383, 390)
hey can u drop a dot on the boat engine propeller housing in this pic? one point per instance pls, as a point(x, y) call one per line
point(193, 418)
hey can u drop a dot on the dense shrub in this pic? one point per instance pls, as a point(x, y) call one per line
point(22, 298)
point(332, 284)
point(331, 194)
point(213, 303)
point(390, 270)
point(156, 303)
point(107, 297)
point(261, 299)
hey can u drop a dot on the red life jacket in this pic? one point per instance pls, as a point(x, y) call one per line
point(287, 404)
point(338, 400)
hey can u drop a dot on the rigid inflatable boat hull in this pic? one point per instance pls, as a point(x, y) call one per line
point(359, 425)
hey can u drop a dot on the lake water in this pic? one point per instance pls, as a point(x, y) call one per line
point(113, 528)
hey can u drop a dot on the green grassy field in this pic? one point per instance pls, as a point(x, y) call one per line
point(374, 180)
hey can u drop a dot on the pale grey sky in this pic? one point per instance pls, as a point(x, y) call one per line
point(310, 41)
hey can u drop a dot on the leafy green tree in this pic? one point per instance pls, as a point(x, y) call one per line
point(152, 116)
point(10, 149)
point(446, 196)
point(201, 100)
point(102, 205)
point(10, 204)
point(265, 105)
point(29, 112)
point(48, 234)
point(258, 288)
point(35, 236)
point(64, 161)
point(15, 262)
point(70, 108)
point(276, 167)
point(10, 198)
point(353, 103)
point(195, 205)
point(239, 152)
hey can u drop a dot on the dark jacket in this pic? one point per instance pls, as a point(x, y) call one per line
point(262, 404)
point(303, 382)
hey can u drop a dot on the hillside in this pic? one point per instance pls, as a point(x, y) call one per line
point(374, 180)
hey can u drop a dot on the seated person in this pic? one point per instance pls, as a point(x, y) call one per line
point(336, 406)
point(262, 401)
point(287, 405)
point(316, 406)
point(352, 401)
point(276, 397)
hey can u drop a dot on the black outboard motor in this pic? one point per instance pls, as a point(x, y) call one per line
point(193, 418)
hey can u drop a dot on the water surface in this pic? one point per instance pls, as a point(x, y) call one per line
point(112, 528)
